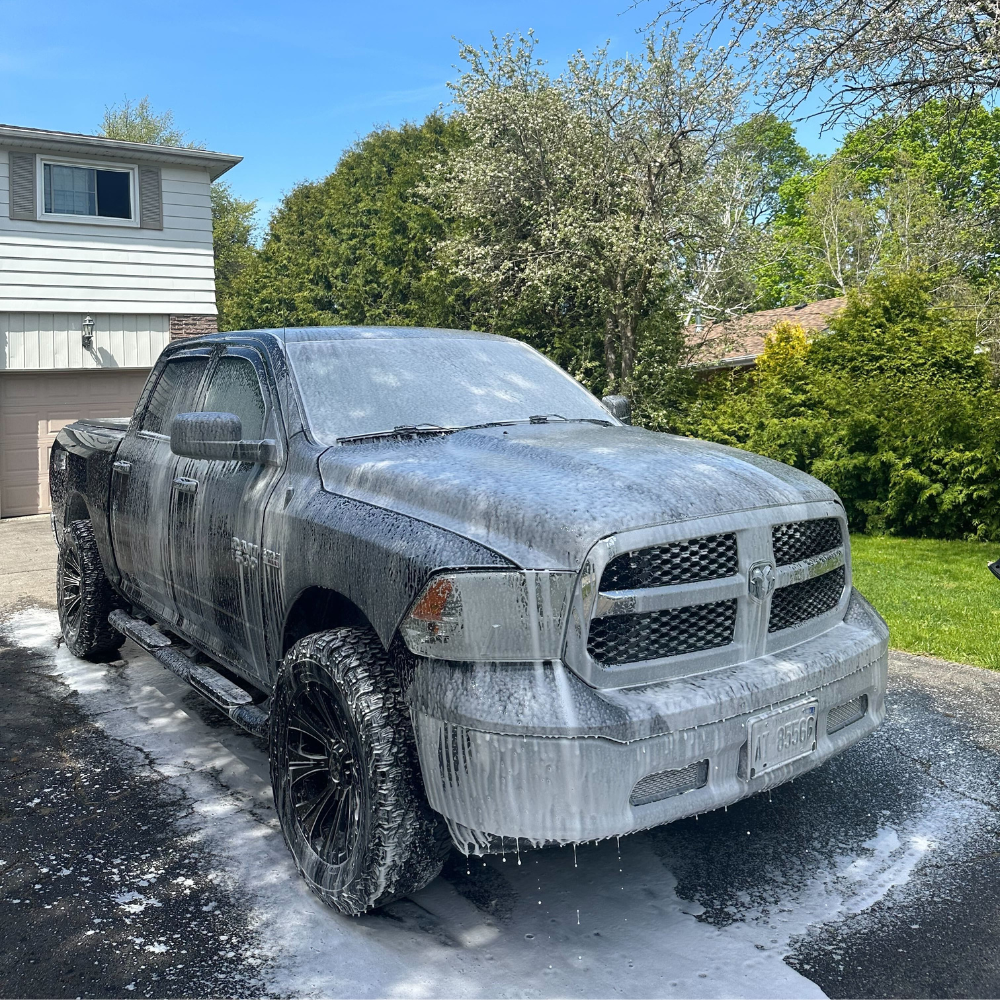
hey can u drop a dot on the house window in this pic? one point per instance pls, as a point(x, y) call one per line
point(101, 192)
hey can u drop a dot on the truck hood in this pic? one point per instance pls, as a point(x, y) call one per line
point(542, 495)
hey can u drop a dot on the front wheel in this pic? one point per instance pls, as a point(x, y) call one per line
point(345, 776)
point(84, 595)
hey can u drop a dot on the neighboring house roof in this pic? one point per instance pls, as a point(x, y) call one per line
point(14, 136)
point(737, 343)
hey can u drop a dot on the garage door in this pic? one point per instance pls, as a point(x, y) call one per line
point(33, 409)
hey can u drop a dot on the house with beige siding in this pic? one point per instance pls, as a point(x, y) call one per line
point(105, 255)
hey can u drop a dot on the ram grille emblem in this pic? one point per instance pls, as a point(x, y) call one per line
point(760, 581)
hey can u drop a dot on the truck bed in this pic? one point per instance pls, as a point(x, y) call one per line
point(80, 471)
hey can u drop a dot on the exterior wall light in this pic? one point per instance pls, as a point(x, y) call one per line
point(87, 333)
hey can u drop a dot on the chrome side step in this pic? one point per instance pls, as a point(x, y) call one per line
point(222, 692)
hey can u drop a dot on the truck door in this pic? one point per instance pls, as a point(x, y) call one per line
point(141, 485)
point(216, 558)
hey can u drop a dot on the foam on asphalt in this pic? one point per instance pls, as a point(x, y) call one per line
point(778, 896)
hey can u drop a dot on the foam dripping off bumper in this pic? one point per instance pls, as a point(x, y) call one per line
point(499, 791)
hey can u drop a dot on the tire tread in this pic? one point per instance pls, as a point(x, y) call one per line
point(407, 841)
point(96, 636)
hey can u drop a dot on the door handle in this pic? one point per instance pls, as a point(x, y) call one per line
point(184, 485)
point(123, 468)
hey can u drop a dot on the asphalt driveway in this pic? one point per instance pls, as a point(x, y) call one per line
point(140, 855)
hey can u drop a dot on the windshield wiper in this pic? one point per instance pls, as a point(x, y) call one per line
point(400, 431)
point(430, 430)
point(544, 418)
point(538, 418)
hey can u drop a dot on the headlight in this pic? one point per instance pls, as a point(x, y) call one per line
point(490, 616)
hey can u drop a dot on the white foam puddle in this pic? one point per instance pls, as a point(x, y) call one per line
point(606, 924)
point(853, 884)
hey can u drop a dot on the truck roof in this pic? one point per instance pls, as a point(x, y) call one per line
point(312, 334)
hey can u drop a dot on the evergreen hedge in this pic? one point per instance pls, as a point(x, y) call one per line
point(897, 409)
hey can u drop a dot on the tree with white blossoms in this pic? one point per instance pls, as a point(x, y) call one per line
point(868, 58)
point(588, 186)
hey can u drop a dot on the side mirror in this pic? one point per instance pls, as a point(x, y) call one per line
point(216, 436)
point(620, 407)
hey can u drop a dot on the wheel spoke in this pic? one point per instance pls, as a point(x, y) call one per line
point(71, 567)
point(71, 589)
point(331, 839)
point(334, 727)
point(318, 808)
point(306, 721)
point(300, 770)
point(306, 739)
point(322, 774)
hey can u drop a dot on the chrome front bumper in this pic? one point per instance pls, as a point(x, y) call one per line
point(533, 753)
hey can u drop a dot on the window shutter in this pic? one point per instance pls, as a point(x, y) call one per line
point(150, 198)
point(22, 185)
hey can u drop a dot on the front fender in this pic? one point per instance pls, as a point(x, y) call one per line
point(376, 558)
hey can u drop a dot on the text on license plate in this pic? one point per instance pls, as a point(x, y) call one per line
point(780, 736)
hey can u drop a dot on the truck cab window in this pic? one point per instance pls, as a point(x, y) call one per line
point(175, 393)
point(235, 388)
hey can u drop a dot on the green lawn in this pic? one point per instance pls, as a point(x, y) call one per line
point(938, 597)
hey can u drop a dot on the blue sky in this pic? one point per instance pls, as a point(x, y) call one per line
point(286, 86)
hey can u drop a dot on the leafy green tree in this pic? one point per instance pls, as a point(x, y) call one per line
point(918, 192)
point(955, 146)
point(357, 247)
point(769, 154)
point(737, 199)
point(136, 121)
point(233, 225)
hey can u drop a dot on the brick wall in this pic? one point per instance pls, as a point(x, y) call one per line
point(192, 326)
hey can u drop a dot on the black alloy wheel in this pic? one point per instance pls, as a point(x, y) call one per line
point(71, 595)
point(344, 770)
point(84, 595)
point(328, 792)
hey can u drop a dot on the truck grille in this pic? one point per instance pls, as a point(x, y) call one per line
point(801, 601)
point(629, 638)
point(798, 540)
point(711, 557)
point(676, 601)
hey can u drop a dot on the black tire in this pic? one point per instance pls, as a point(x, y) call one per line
point(345, 776)
point(84, 595)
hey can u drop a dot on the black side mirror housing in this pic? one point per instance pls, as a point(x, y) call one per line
point(620, 407)
point(216, 436)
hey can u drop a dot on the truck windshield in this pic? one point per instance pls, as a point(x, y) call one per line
point(367, 386)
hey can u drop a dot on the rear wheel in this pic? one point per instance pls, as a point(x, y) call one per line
point(84, 595)
point(345, 776)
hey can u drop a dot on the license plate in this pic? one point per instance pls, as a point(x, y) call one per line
point(781, 736)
